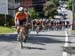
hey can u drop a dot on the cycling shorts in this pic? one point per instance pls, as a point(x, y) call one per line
point(21, 22)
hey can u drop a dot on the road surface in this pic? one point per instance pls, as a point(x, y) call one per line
point(44, 44)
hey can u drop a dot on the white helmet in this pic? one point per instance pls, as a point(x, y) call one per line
point(20, 9)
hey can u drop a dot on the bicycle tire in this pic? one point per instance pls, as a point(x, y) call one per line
point(26, 37)
point(37, 30)
point(21, 39)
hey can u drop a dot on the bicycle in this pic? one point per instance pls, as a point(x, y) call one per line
point(23, 36)
point(38, 28)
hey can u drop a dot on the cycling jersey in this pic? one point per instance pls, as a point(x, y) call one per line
point(20, 16)
point(38, 23)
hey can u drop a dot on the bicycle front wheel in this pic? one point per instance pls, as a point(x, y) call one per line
point(37, 30)
point(21, 39)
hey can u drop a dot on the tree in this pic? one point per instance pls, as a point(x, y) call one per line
point(69, 3)
point(9, 20)
point(50, 9)
point(33, 14)
point(71, 6)
point(56, 2)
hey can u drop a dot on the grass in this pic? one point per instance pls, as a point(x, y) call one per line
point(6, 29)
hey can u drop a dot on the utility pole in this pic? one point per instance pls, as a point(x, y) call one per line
point(73, 5)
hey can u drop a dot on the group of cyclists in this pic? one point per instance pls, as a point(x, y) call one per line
point(22, 19)
point(47, 24)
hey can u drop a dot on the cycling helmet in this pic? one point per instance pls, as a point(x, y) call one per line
point(20, 9)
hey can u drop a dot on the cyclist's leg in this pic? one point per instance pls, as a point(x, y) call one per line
point(25, 33)
point(17, 28)
point(23, 27)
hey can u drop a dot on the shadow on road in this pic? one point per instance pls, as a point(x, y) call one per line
point(42, 39)
point(8, 37)
point(48, 35)
point(34, 39)
point(27, 47)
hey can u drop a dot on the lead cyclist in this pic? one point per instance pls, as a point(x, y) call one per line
point(21, 18)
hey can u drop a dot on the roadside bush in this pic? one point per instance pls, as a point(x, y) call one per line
point(9, 20)
point(2, 20)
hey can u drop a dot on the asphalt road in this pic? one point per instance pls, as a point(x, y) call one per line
point(44, 44)
point(72, 44)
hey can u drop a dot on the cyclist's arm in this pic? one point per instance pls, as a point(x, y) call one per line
point(15, 22)
point(15, 19)
point(27, 20)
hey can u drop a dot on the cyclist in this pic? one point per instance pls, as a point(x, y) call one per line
point(21, 18)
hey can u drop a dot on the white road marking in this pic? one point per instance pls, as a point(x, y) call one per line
point(66, 43)
point(65, 54)
point(66, 40)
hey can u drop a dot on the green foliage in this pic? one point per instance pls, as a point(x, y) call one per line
point(6, 30)
point(33, 14)
point(56, 2)
point(2, 21)
point(9, 20)
point(69, 3)
point(50, 9)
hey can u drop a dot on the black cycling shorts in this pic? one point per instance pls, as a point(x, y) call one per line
point(22, 22)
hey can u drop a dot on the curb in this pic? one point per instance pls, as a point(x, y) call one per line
point(8, 33)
